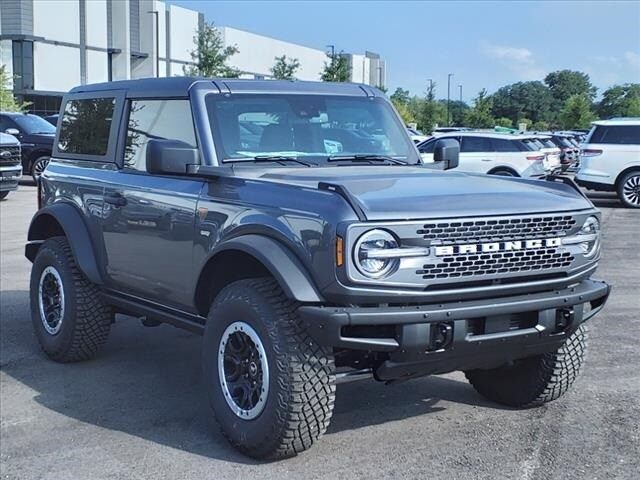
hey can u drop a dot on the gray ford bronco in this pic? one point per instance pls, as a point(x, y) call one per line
point(294, 227)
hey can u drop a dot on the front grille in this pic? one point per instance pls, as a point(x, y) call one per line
point(477, 265)
point(472, 266)
point(494, 230)
point(13, 158)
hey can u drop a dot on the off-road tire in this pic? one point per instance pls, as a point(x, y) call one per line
point(301, 383)
point(530, 382)
point(87, 318)
point(635, 174)
point(4, 194)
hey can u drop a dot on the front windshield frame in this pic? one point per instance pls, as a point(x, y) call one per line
point(391, 119)
point(31, 124)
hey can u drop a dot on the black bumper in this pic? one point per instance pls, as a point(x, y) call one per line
point(458, 335)
point(599, 187)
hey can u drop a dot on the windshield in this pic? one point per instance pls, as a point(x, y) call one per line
point(316, 128)
point(33, 124)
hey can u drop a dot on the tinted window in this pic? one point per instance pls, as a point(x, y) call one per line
point(476, 144)
point(6, 123)
point(618, 134)
point(85, 126)
point(310, 126)
point(501, 145)
point(427, 147)
point(33, 124)
point(164, 119)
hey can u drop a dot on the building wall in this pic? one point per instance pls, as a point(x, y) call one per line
point(57, 20)
point(257, 54)
point(48, 75)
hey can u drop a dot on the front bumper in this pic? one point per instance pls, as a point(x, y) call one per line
point(10, 177)
point(458, 335)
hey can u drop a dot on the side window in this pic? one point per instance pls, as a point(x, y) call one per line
point(476, 144)
point(428, 146)
point(85, 126)
point(500, 145)
point(5, 123)
point(163, 119)
point(616, 134)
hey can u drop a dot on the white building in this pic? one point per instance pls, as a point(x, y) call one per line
point(50, 46)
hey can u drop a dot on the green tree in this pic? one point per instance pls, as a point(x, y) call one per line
point(8, 102)
point(565, 83)
point(504, 122)
point(523, 100)
point(620, 101)
point(430, 112)
point(285, 69)
point(336, 69)
point(540, 126)
point(211, 55)
point(479, 116)
point(400, 96)
point(577, 112)
point(457, 110)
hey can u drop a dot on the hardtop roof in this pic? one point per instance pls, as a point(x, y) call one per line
point(180, 86)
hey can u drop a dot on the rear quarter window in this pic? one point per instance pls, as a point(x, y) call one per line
point(85, 127)
point(616, 134)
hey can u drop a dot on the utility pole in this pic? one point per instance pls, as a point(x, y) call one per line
point(430, 86)
point(449, 97)
point(156, 14)
point(460, 87)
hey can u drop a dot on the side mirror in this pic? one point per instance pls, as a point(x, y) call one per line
point(447, 151)
point(12, 131)
point(171, 157)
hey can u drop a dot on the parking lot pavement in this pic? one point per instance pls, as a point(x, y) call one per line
point(138, 411)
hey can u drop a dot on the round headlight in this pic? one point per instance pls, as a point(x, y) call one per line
point(591, 227)
point(369, 253)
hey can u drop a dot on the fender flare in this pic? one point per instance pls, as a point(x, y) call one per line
point(286, 268)
point(76, 231)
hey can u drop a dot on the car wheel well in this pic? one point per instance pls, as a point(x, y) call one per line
point(624, 172)
point(46, 226)
point(497, 170)
point(235, 265)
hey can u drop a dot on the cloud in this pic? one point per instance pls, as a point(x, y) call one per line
point(517, 59)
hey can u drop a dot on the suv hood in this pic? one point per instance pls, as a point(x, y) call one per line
point(39, 138)
point(409, 193)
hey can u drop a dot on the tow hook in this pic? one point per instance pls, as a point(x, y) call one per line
point(441, 336)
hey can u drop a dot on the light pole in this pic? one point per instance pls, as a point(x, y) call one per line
point(448, 97)
point(156, 14)
point(460, 87)
point(333, 50)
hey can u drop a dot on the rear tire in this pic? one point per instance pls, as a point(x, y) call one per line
point(533, 381)
point(38, 166)
point(70, 319)
point(3, 195)
point(629, 189)
point(503, 172)
point(285, 403)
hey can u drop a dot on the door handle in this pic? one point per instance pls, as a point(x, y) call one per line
point(485, 160)
point(116, 199)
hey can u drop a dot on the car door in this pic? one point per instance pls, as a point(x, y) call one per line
point(148, 220)
point(476, 154)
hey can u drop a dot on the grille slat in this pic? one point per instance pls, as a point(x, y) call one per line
point(13, 159)
point(466, 266)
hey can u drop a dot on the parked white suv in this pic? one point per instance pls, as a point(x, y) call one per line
point(610, 159)
point(492, 153)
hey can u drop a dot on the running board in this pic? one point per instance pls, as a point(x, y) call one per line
point(144, 308)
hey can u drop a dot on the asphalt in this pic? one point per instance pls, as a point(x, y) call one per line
point(138, 411)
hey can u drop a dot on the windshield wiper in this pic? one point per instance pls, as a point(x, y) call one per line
point(366, 158)
point(271, 158)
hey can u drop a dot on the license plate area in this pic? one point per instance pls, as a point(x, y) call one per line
point(502, 323)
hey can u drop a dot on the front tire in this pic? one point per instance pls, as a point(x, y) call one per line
point(285, 402)
point(533, 381)
point(629, 189)
point(70, 319)
point(4, 194)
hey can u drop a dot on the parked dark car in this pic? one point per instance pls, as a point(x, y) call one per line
point(36, 137)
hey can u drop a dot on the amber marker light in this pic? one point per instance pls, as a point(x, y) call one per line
point(339, 251)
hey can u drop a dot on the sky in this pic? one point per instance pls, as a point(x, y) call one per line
point(484, 44)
